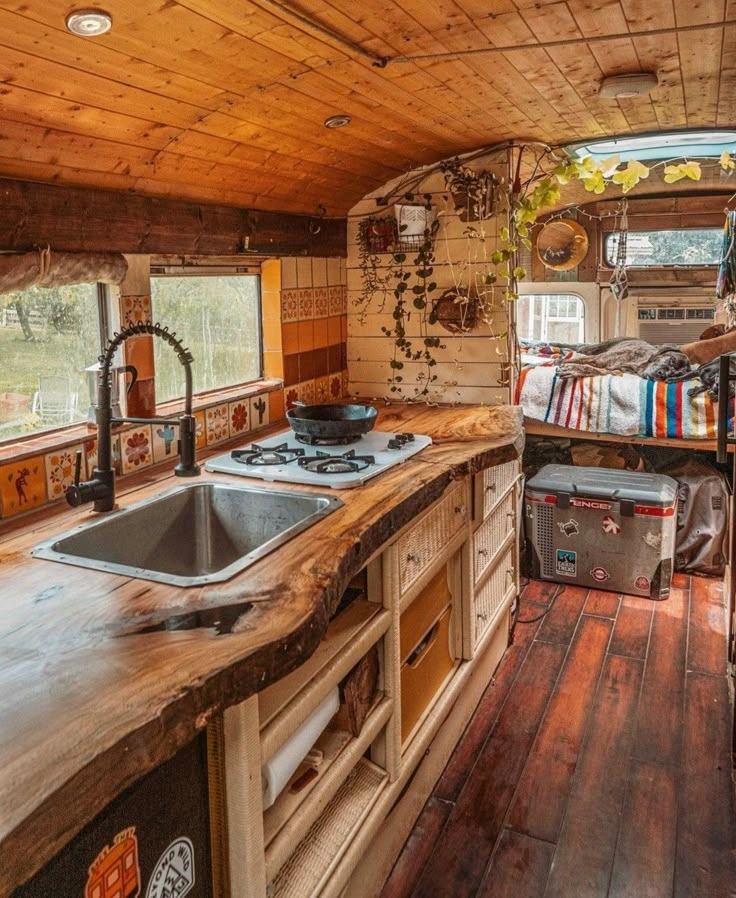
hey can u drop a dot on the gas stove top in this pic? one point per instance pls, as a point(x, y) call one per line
point(284, 458)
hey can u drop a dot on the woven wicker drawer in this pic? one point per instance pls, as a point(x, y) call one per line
point(495, 481)
point(425, 541)
point(306, 872)
point(489, 537)
point(489, 599)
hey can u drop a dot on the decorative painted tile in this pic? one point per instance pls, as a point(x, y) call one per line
point(165, 442)
point(306, 304)
point(322, 390)
point(306, 392)
point(291, 394)
point(218, 424)
point(335, 386)
point(137, 452)
point(59, 467)
point(258, 411)
point(22, 486)
point(200, 430)
point(345, 382)
point(90, 452)
point(335, 300)
point(344, 300)
point(321, 302)
point(289, 305)
point(90, 449)
point(239, 416)
point(135, 308)
point(116, 453)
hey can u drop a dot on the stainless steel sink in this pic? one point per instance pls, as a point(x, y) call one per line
point(190, 535)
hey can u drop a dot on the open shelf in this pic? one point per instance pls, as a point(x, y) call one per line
point(292, 814)
point(309, 868)
point(284, 706)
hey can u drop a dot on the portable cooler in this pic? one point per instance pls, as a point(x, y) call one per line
point(602, 528)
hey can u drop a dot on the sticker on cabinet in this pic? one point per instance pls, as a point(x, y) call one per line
point(115, 872)
point(174, 871)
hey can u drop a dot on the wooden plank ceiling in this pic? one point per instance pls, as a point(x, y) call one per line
point(224, 102)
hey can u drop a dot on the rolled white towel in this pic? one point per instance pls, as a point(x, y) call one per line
point(279, 769)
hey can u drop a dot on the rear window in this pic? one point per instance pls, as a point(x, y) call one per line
point(656, 249)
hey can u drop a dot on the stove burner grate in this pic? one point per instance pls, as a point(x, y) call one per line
point(266, 455)
point(347, 463)
point(309, 440)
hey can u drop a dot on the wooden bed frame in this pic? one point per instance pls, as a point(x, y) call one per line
point(539, 428)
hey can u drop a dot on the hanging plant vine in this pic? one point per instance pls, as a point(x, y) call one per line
point(490, 278)
point(413, 291)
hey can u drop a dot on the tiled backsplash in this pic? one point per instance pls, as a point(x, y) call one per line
point(32, 480)
point(304, 335)
point(314, 329)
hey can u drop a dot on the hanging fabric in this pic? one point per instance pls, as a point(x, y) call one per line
point(619, 282)
point(726, 282)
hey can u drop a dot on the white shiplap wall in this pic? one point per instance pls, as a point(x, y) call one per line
point(471, 367)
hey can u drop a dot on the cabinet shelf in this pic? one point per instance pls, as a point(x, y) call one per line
point(291, 814)
point(284, 706)
point(311, 864)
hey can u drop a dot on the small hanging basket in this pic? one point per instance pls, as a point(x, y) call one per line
point(378, 235)
point(414, 225)
point(457, 310)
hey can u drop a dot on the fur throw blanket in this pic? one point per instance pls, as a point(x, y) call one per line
point(627, 355)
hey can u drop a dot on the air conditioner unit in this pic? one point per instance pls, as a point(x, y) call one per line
point(672, 320)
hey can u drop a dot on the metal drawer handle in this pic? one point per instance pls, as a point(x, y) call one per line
point(491, 488)
point(483, 617)
point(460, 509)
point(483, 552)
point(413, 558)
point(509, 572)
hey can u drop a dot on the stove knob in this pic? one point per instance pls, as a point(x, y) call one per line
point(407, 437)
point(394, 444)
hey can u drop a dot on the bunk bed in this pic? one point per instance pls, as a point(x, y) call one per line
point(612, 408)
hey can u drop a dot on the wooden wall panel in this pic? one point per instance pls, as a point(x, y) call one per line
point(75, 219)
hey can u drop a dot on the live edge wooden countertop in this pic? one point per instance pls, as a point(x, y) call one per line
point(92, 698)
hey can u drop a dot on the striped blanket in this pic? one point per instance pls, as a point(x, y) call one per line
point(620, 404)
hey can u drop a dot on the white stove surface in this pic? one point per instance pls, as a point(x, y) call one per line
point(374, 443)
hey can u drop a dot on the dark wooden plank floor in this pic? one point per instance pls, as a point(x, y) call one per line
point(598, 762)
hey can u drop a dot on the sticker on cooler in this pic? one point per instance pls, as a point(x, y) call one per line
point(642, 583)
point(569, 528)
point(115, 872)
point(566, 563)
point(600, 574)
point(173, 875)
point(610, 525)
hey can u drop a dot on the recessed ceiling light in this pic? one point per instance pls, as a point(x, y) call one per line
point(634, 84)
point(89, 22)
point(337, 121)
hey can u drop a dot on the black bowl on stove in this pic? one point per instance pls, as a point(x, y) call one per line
point(331, 422)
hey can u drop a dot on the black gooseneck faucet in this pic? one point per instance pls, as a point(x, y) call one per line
point(101, 488)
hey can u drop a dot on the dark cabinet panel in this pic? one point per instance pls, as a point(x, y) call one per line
point(153, 841)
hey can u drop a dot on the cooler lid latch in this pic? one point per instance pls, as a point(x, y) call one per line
point(626, 508)
point(563, 500)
